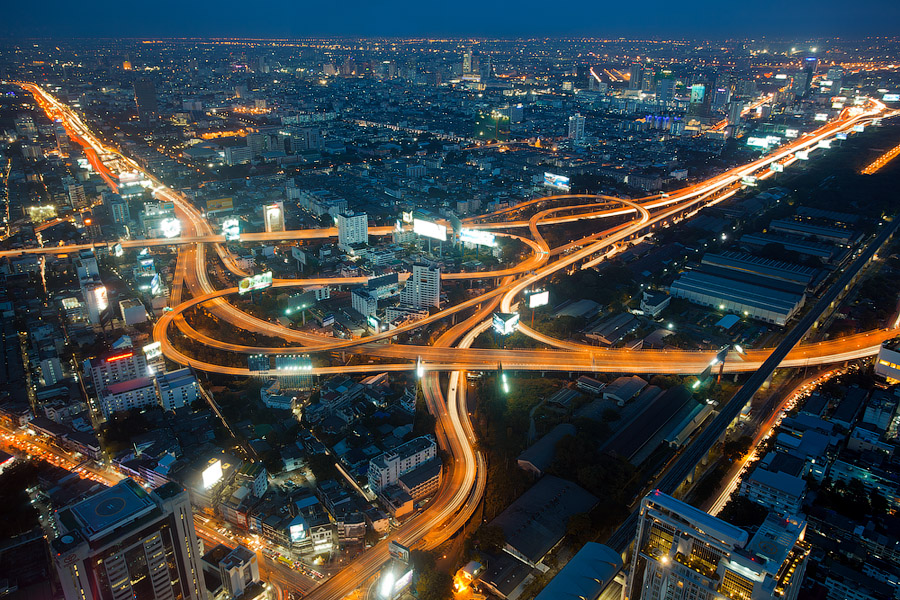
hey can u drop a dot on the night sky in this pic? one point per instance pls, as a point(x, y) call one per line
point(785, 19)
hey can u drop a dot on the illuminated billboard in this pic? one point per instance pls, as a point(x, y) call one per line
point(212, 474)
point(100, 298)
point(170, 227)
point(776, 167)
point(117, 250)
point(858, 128)
point(407, 217)
point(505, 323)
point(802, 155)
point(559, 182)
point(891, 98)
point(824, 144)
point(219, 205)
point(791, 133)
point(841, 135)
point(273, 215)
point(479, 238)
point(538, 298)
point(231, 229)
point(430, 229)
point(256, 282)
point(698, 91)
point(748, 180)
point(298, 530)
point(821, 117)
point(757, 142)
point(152, 350)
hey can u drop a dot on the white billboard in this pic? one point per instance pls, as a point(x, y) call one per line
point(776, 167)
point(538, 298)
point(802, 154)
point(748, 180)
point(430, 229)
point(100, 298)
point(231, 229)
point(505, 323)
point(256, 282)
point(274, 217)
point(479, 238)
point(824, 144)
point(170, 228)
point(559, 182)
point(212, 474)
point(152, 350)
point(821, 117)
point(791, 133)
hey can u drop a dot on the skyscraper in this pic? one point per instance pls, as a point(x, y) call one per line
point(636, 76)
point(353, 228)
point(665, 91)
point(145, 98)
point(423, 288)
point(125, 542)
point(576, 127)
point(684, 553)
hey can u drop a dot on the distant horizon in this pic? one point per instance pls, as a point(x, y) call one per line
point(404, 19)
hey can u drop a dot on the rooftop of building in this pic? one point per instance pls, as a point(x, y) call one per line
point(123, 387)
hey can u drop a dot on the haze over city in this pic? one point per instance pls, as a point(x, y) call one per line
point(399, 300)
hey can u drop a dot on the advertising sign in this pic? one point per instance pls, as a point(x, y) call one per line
point(505, 323)
point(538, 298)
point(821, 117)
point(231, 229)
point(219, 205)
point(170, 227)
point(430, 229)
point(802, 155)
point(891, 98)
point(758, 142)
point(256, 282)
point(398, 551)
point(748, 180)
point(559, 182)
point(480, 238)
point(791, 133)
point(152, 350)
point(841, 135)
point(100, 298)
point(212, 474)
point(776, 167)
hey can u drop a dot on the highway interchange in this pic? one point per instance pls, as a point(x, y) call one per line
point(464, 478)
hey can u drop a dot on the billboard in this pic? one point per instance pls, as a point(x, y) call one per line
point(748, 180)
point(258, 362)
point(802, 155)
point(821, 117)
point(758, 142)
point(219, 205)
point(841, 135)
point(479, 238)
point(273, 215)
point(407, 216)
point(231, 229)
point(891, 98)
point(256, 282)
point(117, 250)
point(170, 227)
point(328, 320)
point(100, 298)
point(293, 362)
point(698, 91)
point(791, 133)
point(212, 474)
point(858, 128)
point(398, 551)
point(776, 167)
point(152, 350)
point(559, 182)
point(824, 144)
point(298, 530)
point(538, 298)
point(430, 229)
point(505, 323)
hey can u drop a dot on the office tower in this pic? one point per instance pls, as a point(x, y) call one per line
point(118, 209)
point(684, 553)
point(62, 141)
point(467, 62)
point(125, 542)
point(423, 288)
point(353, 229)
point(665, 91)
point(636, 75)
point(576, 127)
point(810, 64)
point(145, 98)
point(734, 113)
point(75, 191)
point(97, 302)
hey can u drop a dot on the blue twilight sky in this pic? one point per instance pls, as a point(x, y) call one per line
point(791, 19)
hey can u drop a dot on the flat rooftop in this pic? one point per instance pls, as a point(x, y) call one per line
point(110, 508)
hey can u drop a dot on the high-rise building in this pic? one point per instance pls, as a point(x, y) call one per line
point(734, 113)
point(467, 62)
point(684, 553)
point(423, 288)
point(124, 542)
point(576, 127)
point(810, 64)
point(387, 469)
point(665, 90)
point(145, 98)
point(353, 229)
point(124, 364)
point(635, 76)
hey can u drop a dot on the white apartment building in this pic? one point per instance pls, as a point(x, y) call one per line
point(387, 469)
point(176, 389)
point(128, 395)
point(353, 229)
point(423, 288)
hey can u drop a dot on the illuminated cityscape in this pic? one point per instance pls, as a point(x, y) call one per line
point(439, 316)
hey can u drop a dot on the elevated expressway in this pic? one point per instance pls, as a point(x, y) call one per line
point(464, 477)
